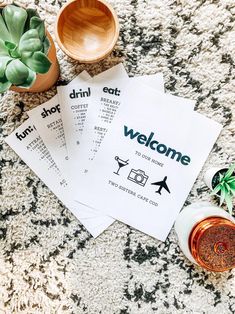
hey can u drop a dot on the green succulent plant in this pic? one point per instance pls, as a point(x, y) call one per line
point(23, 47)
point(225, 189)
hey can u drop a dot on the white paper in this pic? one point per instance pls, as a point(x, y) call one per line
point(48, 122)
point(28, 144)
point(102, 109)
point(75, 100)
point(156, 81)
point(128, 194)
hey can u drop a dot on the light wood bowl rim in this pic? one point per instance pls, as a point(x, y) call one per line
point(97, 57)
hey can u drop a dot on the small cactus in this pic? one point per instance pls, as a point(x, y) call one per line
point(225, 188)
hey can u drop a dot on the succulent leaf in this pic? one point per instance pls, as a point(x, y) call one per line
point(46, 45)
point(231, 179)
point(221, 177)
point(232, 185)
point(25, 55)
point(216, 189)
point(12, 49)
point(38, 24)
point(15, 53)
point(30, 80)
point(30, 13)
point(229, 172)
point(227, 186)
point(17, 72)
point(3, 49)
point(3, 64)
point(38, 62)
point(222, 196)
point(225, 189)
point(15, 18)
point(30, 42)
point(222, 183)
point(4, 84)
point(9, 45)
point(4, 34)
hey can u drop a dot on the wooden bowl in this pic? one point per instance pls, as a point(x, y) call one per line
point(87, 30)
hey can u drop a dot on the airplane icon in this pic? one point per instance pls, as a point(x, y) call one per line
point(162, 184)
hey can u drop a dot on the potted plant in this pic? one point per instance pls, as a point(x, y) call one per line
point(28, 60)
point(222, 183)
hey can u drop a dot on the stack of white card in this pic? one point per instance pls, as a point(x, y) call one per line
point(113, 147)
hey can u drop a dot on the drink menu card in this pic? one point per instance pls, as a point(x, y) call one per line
point(75, 98)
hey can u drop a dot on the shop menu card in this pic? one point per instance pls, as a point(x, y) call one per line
point(148, 161)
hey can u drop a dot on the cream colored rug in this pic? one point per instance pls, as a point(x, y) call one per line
point(48, 261)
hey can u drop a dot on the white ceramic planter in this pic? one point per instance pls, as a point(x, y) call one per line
point(209, 174)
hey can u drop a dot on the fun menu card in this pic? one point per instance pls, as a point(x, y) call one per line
point(28, 144)
point(147, 162)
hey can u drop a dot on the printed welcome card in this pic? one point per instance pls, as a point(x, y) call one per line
point(104, 101)
point(148, 162)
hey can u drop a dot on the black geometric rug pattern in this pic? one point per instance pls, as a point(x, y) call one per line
point(49, 263)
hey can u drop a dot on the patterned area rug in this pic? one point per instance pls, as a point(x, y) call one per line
point(48, 261)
